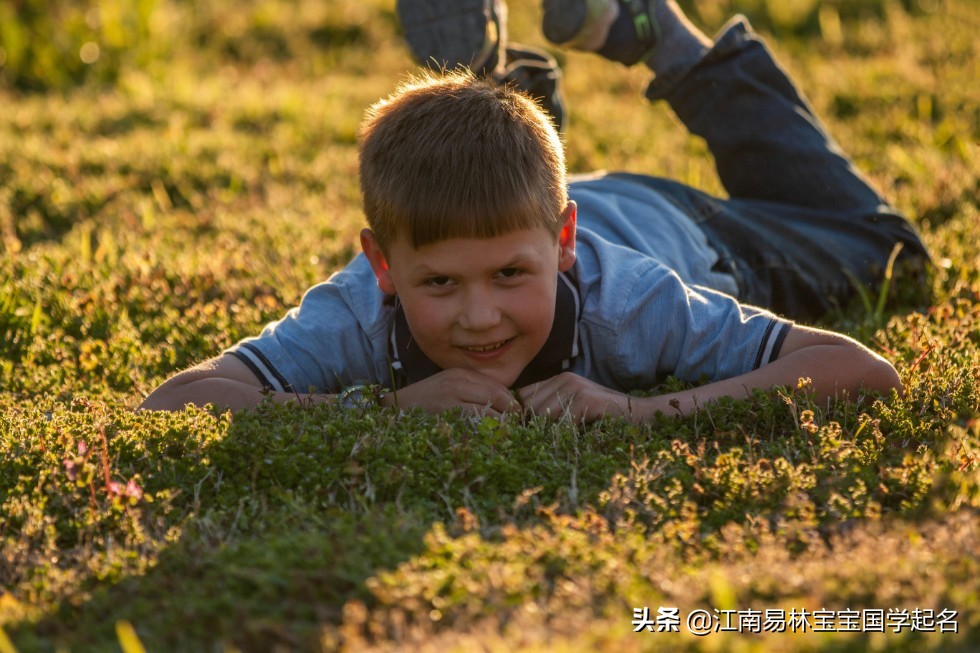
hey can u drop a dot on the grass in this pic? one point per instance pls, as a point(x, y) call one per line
point(187, 185)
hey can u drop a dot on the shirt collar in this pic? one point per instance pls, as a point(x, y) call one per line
point(410, 365)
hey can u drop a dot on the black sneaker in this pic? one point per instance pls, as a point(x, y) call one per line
point(535, 72)
point(621, 30)
point(452, 33)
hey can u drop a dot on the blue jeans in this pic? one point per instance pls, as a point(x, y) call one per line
point(801, 229)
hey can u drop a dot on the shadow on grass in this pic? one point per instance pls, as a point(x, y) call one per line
point(265, 590)
point(263, 526)
point(267, 526)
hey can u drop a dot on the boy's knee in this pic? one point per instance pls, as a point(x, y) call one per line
point(908, 268)
point(907, 247)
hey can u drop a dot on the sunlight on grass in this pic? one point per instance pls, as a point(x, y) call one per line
point(174, 175)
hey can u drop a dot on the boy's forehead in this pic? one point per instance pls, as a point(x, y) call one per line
point(526, 244)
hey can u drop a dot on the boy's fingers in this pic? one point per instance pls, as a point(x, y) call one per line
point(485, 392)
point(470, 390)
point(481, 410)
point(528, 393)
point(541, 394)
point(540, 399)
point(504, 401)
point(568, 394)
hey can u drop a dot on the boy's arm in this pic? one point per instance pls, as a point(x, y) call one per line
point(228, 383)
point(834, 363)
point(224, 381)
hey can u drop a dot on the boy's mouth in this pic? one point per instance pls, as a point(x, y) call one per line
point(483, 349)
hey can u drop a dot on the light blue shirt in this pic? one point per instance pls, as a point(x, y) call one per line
point(648, 304)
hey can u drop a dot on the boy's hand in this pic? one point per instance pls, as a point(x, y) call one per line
point(470, 390)
point(580, 398)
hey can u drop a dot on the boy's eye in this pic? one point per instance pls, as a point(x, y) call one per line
point(510, 273)
point(438, 282)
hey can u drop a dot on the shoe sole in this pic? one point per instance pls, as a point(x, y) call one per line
point(449, 33)
point(565, 21)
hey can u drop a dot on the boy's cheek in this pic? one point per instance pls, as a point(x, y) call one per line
point(427, 320)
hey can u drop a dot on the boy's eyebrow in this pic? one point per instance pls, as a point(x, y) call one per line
point(519, 258)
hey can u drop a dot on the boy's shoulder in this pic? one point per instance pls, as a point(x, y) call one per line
point(357, 288)
point(623, 216)
point(337, 335)
point(640, 321)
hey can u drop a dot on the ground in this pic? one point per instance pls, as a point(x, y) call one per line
point(174, 174)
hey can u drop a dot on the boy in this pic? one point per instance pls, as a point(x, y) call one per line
point(489, 283)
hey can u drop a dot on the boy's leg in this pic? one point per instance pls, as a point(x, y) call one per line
point(802, 225)
point(765, 138)
point(627, 31)
point(446, 34)
point(805, 227)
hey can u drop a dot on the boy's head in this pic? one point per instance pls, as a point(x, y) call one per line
point(465, 192)
point(456, 156)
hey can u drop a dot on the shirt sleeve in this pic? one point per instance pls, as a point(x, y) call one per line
point(691, 332)
point(320, 346)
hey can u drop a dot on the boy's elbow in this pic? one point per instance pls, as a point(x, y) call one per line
point(159, 404)
point(187, 388)
point(865, 369)
point(223, 381)
point(883, 377)
point(170, 396)
point(895, 381)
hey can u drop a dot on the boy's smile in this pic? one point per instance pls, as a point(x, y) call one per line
point(485, 304)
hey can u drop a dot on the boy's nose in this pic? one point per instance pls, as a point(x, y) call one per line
point(479, 313)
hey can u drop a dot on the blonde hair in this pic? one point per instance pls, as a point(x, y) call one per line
point(456, 156)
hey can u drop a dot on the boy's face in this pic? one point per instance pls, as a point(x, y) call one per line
point(485, 304)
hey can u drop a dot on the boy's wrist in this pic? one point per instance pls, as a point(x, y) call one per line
point(386, 398)
point(643, 409)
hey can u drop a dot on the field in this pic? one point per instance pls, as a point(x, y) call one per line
point(174, 174)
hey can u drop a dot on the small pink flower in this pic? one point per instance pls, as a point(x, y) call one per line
point(70, 469)
point(115, 489)
point(133, 490)
point(82, 447)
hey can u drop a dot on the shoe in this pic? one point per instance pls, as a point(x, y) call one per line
point(536, 73)
point(621, 30)
point(451, 33)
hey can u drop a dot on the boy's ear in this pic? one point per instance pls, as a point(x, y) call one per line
point(379, 262)
point(566, 237)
